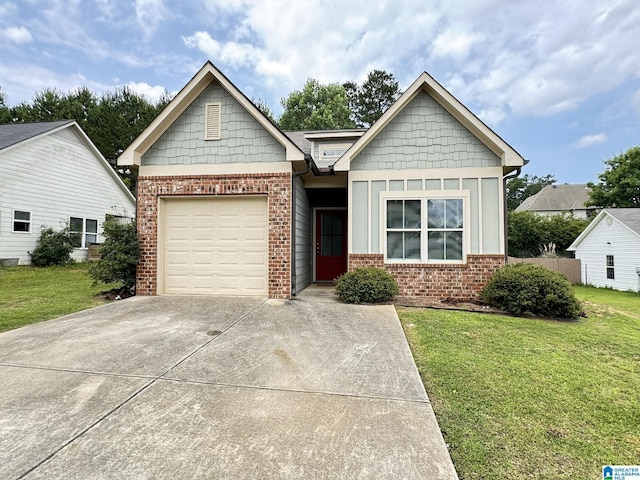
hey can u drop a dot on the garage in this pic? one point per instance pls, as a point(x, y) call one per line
point(214, 245)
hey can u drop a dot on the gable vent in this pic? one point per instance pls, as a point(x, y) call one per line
point(212, 121)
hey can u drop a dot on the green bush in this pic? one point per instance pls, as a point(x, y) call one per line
point(54, 248)
point(366, 285)
point(119, 254)
point(527, 289)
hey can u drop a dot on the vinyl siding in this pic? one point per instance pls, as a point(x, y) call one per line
point(424, 135)
point(616, 240)
point(242, 138)
point(54, 177)
point(304, 241)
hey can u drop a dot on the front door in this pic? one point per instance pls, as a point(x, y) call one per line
point(331, 244)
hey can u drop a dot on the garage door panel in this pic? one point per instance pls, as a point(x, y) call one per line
point(215, 246)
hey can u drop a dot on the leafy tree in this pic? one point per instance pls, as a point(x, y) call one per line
point(527, 232)
point(5, 112)
point(264, 108)
point(316, 107)
point(119, 254)
point(619, 185)
point(520, 188)
point(371, 99)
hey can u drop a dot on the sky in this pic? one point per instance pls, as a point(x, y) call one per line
point(558, 80)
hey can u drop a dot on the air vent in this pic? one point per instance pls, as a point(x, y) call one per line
point(212, 121)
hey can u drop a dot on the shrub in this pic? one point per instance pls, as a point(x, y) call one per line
point(368, 285)
point(54, 248)
point(527, 289)
point(119, 254)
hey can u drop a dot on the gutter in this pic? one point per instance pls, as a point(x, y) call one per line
point(504, 213)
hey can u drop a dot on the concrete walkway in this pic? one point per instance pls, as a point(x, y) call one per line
point(207, 387)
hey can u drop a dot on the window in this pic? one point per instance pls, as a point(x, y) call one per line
point(21, 221)
point(424, 229)
point(333, 151)
point(212, 121)
point(611, 275)
point(83, 231)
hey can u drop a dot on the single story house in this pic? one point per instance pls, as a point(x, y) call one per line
point(560, 199)
point(52, 175)
point(229, 204)
point(609, 250)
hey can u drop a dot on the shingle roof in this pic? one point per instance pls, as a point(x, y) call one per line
point(298, 138)
point(12, 133)
point(628, 216)
point(564, 198)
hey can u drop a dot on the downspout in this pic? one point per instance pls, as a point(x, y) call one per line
point(309, 161)
point(504, 213)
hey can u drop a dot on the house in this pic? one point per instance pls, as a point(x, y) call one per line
point(51, 175)
point(230, 204)
point(609, 249)
point(559, 199)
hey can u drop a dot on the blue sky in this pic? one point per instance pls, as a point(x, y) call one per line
point(558, 80)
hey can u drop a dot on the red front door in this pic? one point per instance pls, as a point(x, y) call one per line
point(331, 244)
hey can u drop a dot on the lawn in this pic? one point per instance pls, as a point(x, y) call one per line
point(30, 295)
point(528, 398)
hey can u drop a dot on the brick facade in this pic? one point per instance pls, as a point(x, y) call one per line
point(437, 281)
point(276, 186)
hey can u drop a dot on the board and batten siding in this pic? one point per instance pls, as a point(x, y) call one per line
point(616, 240)
point(55, 177)
point(242, 138)
point(483, 185)
point(424, 135)
point(303, 233)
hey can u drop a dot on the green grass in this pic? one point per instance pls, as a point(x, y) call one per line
point(30, 295)
point(527, 398)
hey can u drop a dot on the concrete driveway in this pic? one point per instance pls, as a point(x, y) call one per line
point(206, 387)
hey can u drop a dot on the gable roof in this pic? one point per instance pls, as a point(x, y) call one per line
point(185, 97)
point(564, 198)
point(14, 133)
point(628, 217)
point(426, 83)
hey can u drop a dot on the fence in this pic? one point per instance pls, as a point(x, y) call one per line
point(569, 267)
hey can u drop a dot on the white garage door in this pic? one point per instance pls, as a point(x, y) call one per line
point(215, 246)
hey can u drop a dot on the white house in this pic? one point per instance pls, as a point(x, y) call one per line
point(609, 249)
point(52, 175)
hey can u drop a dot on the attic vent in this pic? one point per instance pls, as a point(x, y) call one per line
point(212, 121)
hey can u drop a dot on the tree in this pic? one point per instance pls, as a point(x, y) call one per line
point(316, 107)
point(264, 108)
point(5, 112)
point(619, 185)
point(520, 188)
point(371, 99)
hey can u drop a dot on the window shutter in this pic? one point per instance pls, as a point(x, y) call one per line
point(212, 121)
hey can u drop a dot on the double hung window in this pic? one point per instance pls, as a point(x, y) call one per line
point(424, 229)
point(21, 221)
point(84, 231)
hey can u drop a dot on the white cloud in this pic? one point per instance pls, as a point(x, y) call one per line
point(454, 43)
point(591, 140)
point(17, 35)
point(151, 93)
point(233, 54)
point(149, 13)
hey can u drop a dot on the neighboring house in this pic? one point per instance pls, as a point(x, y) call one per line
point(230, 204)
point(557, 199)
point(51, 175)
point(609, 249)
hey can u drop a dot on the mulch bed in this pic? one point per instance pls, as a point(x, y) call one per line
point(116, 294)
point(447, 304)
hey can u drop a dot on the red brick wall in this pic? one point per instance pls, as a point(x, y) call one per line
point(276, 186)
point(436, 281)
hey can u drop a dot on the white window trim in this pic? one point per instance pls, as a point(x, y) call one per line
point(84, 233)
point(332, 146)
point(212, 113)
point(13, 220)
point(423, 196)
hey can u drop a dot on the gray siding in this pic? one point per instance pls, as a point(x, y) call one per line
point(243, 139)
point(303, 232)
point(484, 210)
point(424, 135)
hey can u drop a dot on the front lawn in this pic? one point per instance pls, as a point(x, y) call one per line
point(526, 398)
point(30, 295)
